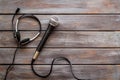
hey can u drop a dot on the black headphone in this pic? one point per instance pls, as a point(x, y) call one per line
point(17, 36)
point(16, 33)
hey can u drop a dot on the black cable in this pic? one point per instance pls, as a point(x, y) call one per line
point(50, 71)
point(11, 65)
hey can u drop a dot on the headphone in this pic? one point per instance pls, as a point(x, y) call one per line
point(17, 36)
point(16, 32)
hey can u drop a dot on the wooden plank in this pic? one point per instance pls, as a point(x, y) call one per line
point(93, 72)
point(67, 39)
point(118, 71)
point(61, 6)
point(76, 56)
point(67, 22)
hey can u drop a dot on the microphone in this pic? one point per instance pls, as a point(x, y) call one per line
point(53, 23)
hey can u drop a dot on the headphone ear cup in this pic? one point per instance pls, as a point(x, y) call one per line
point(25, 41)
point(18, 37)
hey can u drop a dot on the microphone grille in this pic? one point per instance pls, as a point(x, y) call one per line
point(54, 21)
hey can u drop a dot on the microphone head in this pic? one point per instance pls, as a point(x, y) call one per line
point(54, 21)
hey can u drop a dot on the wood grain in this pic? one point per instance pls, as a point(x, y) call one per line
point(105, 72)
point(67, 22)
point(76, 56)
point(61, 6)
point(67, 39)
point(88, 35)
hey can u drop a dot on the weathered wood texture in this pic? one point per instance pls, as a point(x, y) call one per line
point(91, 41)
point(67, 22)
point(67, 39)
point(61, 6)
point(76, 56)
point(62, 72)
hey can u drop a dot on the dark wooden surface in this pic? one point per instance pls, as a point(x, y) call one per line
point(89, 35)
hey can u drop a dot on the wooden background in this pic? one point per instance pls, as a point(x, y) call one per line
point(89, 35)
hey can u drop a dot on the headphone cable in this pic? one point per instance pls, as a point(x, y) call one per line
point(10, 67)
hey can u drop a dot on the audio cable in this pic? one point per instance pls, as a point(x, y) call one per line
point(10, 67)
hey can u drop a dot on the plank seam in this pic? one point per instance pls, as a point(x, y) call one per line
point(70, 47)
point(61, 64)
point(62, 13)
point(66, 30)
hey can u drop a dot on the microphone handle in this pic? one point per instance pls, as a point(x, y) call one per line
point(43, 41)
point(45, 37)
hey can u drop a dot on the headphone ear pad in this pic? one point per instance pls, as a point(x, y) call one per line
point(18, 37)
point(25, 41)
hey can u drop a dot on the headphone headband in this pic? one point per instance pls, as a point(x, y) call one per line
point(17, 33)
point(32, 17)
